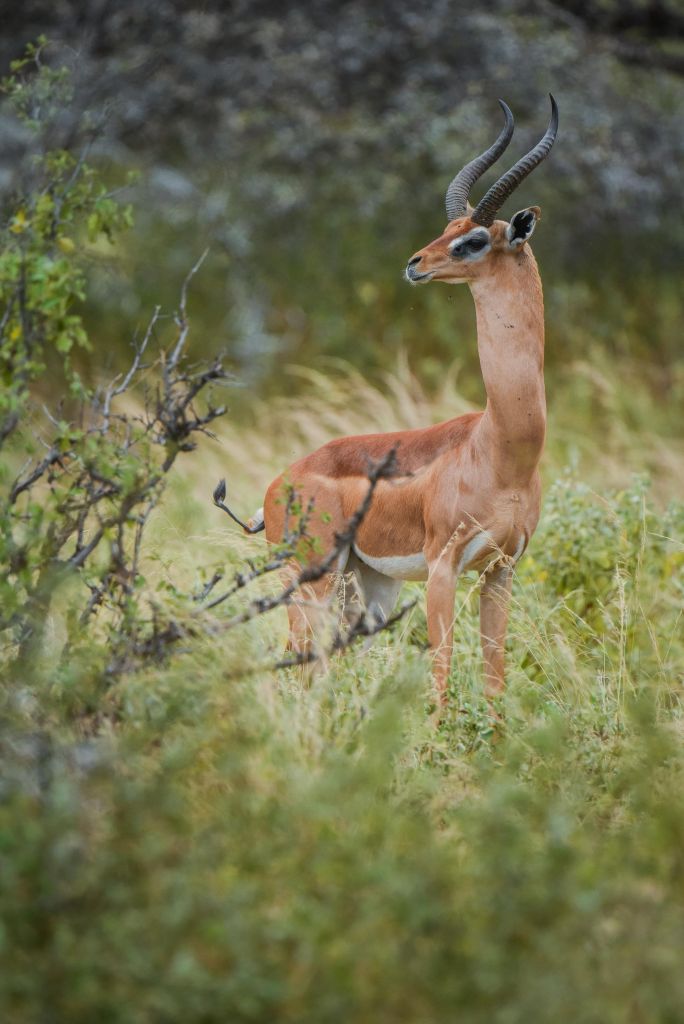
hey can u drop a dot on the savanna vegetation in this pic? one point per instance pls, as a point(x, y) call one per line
point(187, 834)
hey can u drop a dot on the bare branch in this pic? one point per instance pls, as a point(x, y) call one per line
point(182, 317)
point(19, 486)
point(208, 587)
point(114, 389)
point(365, 626)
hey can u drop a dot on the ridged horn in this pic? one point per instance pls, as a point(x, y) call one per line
point(490, 204)
point(459, 189)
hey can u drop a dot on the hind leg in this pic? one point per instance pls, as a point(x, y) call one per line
point(306, 617)
point(312, 613)
point(309, 606)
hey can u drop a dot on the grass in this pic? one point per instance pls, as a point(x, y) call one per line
point(596, 612)
point(213, 848)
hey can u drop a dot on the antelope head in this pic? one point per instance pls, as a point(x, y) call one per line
point(473, 241)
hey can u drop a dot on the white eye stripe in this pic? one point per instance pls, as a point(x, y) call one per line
point(464, 249)
point(477, 234)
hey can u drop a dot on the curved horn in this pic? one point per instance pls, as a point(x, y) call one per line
point(457, 193)
point(490, 204)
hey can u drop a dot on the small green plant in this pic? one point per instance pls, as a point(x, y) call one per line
point(62, 207)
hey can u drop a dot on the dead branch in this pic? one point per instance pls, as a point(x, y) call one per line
point(365, 626)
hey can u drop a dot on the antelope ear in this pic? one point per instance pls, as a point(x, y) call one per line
point(522, 225)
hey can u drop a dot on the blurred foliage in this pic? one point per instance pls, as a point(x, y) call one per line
point(310, 147)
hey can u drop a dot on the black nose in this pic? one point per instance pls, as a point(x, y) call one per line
point(414, 259)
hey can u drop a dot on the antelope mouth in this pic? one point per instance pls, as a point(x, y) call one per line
point(415, 277)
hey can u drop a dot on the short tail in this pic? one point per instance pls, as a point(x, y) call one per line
point(255, 525)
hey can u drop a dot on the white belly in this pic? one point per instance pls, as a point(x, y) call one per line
point(397, 567)
point(414, 567)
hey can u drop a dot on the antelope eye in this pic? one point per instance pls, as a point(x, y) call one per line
point(468, 246)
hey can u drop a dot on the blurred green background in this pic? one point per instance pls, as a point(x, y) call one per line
point(310, 146)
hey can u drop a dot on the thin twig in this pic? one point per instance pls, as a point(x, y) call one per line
point(341, 641)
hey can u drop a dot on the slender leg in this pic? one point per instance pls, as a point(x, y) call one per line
point(441, 591)
point(309, 622)
point(310, 604)
point(309, 613)
point(495, 594)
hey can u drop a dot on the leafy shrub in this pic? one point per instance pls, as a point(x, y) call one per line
point(210, 877)
point(586, 538)
point(612, 566)
point(78, 491)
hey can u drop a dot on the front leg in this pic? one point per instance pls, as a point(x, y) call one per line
point(495, 595)
point(441, 592)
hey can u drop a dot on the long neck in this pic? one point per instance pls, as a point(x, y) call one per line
point(510, 338)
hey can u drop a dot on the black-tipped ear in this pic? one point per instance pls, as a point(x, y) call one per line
point(522, 225)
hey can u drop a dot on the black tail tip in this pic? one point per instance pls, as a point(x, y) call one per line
point(220, 492)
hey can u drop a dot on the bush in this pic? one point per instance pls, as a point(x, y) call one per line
point(80, 486)
point(213, 879)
